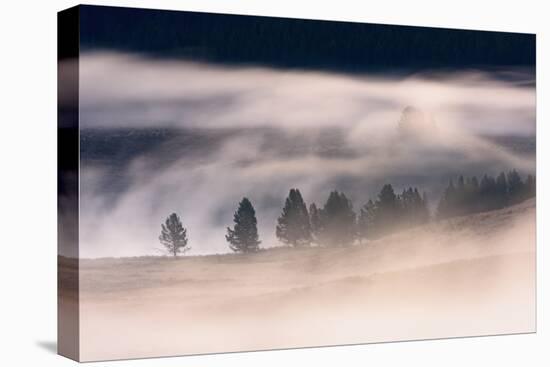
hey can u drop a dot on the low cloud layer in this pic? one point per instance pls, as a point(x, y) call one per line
point(119, 90)
point(274, 130)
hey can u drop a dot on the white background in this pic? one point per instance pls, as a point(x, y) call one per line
point(28, 183)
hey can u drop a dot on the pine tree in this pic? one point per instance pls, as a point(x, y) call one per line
point(501, 190)
point(408, 206)
point(244, 235)
point(366, 222)
point(460, 184)
point(471, 197)
point(531, 184)
point(315, 221)
point(173, 236)
point(293, 226)
point(387, 198)
point(338, 221)
point(424, 213)
point(460, 197)
point(515, 187)
point(418, 213)
point(488, 193)
point(388, 213)
point(447, 206)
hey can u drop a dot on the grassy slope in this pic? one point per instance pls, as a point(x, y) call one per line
point(465, 276)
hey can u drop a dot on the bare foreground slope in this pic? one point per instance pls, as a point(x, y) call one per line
point(467, 276)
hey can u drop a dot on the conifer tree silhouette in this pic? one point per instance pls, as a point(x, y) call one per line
point(173, 235)
point(293, 226)
point(338, 226)
point(244, 235)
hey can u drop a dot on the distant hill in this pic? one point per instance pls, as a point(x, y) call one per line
point(114, 151)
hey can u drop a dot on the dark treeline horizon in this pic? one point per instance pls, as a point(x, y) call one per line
point(300, 43)
point(472, 195)
point(336, 224)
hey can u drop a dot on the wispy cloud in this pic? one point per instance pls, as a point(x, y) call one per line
point(126, 90)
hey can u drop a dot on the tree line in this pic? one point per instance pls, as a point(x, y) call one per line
point(470, 195)
point(337, 224)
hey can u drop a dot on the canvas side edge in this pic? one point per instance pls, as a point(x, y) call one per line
point(68, 325)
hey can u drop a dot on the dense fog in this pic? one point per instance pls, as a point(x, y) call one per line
point(215, 134)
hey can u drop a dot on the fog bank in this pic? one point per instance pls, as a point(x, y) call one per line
point(263, 131)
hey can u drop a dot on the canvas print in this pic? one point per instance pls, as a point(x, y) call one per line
point(237, 183)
